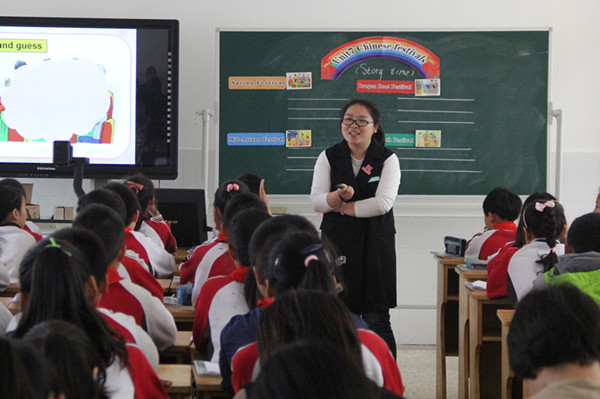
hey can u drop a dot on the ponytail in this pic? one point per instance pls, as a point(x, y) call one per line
point(545, 219)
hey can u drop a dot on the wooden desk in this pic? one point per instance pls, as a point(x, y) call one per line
point(485, 345)
point(183, 315)
point(208, 386)
point(447, 318)
point(181, 351)
point(165, 283)
point(464, 275)
point(512, 386)
point(181, 377)
point(11, 290)
point(5, 300)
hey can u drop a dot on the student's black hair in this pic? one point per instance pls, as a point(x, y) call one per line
point(132, 205)
point(545, 219)
point(105, 197)
point(240, 229)
point(53, 275)
point(520, 234)
point(226, 192)
point(301, 260)
point(252, 180)
point(307, 314)
point(502, 202)
point(24, 372)
point(80, 371)
point(263, 238)
point(10, 198)
point(584, 233)
point(240, 202)
point(14, 183)
point(90, 246)
point(312, 369)
point(379, 136)
point(143, 188)
point(107, 224)
point(554, 326)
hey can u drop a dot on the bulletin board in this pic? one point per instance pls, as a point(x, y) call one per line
point(463, 111)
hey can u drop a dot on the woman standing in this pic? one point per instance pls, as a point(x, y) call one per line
point(355, 184)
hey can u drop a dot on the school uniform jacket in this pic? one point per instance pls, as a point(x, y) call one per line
point(486, 244)
point(14, 243)
point(220, 299)
point(161, 262)
point(148, 311)
point(163, 230)
point(378, 362)
point(497, 269)
point(368, 244)
point(131, 269)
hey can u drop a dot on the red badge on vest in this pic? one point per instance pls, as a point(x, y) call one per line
point(367, 169)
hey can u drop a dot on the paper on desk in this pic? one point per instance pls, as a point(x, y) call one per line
point(479, 285)
point(205, 367)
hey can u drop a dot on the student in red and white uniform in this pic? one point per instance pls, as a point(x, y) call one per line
point(132, 267)
point(160, 261)
point(153, 225)
point(222, 297)
point(52, 288)
point(500, 208)
point(121, 294)
point(320, 316)
point(29, 226)
point(14, 241)
point(212, 258)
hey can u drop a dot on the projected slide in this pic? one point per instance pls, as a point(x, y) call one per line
point(67, 84)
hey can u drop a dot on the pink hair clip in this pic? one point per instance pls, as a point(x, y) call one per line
point(232, 186)
point(135, 186)
point(309, 258)
point(540, 206)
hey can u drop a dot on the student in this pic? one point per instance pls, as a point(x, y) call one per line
point(222, 297)
point(581, 263)
point(109, 224)
point(237, 204)
point(51, 276)
point(310, 369)
point(153, 225)
point(500, 208)
point(497, 266)
point(544, 223)
point(97, 285)
point(256, 184)
point(317, 315)
point(24, 372)
point(14, 241)
point(554, 343)
point(160, 261)
point(29, 227)
point(79, 369)
point(211, 258)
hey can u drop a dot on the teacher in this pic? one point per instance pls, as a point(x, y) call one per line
point(354, 185)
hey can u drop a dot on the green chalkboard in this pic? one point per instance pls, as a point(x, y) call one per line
point(484, 122)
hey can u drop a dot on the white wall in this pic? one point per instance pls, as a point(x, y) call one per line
point(421, 221)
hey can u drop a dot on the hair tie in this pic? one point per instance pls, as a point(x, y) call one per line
point(311, 248)
point(137, 187)
point(553, 250)
point(232, 186)
point(54, 244)
point(540, 206)
point(309, 258)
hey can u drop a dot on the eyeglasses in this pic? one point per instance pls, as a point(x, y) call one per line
point(359, 122)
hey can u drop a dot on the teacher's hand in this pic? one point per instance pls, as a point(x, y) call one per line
point(346, 192)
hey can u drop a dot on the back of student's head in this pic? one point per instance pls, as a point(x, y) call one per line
point(502, 202)
point(107, 224)
point(301, 260)
point(554, 326)
point(14, 183)
point(53, 274)
point(10, 198)
point(312, 369)
point(545, 219)
point(238, 203)
point(252, 180)
point(584, 233)
point(240, 230)
point(132, 205)
point(226, 191)
point(80, 371)
point(308, 314)
point(24, 372)
point(520, 234)
point(104, 197)
point(143, 188)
